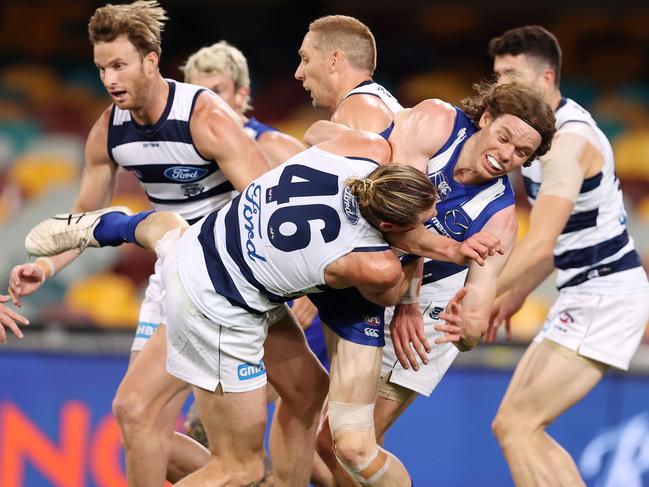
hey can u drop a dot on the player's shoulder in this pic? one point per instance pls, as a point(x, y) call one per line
point(97, 141)
point(435, 109)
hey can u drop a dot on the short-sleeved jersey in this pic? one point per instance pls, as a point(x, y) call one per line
point(175, 176)
point(273, 242)
point(370, 87)
point(255, 129)
point(594, 250)
point(462, 209)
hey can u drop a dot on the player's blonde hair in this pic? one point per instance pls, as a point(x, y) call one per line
point(220, 58)
point(395, 193)
point(141, 22)
point(347, 35)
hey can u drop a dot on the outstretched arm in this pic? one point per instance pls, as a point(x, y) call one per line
point(425, 243)
point(466, 327)
point(96, 191)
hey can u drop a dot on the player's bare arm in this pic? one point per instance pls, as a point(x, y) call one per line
point(96, 191)
point(377, 275)
point(419, 132)
point(425, 243)
point(279, 147)
point(359, 143)
point(564, 167)
point(481, 284)
point(323, 130)
point(218, 134)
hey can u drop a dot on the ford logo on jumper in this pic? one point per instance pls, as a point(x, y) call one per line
point(350, 206)
point(185, 173)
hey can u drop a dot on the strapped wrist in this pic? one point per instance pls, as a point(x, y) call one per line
point(49, 266)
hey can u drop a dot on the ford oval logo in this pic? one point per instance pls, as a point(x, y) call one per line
point(185, 174)
point(350, 206)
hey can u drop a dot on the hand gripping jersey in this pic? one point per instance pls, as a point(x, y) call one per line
point(174, 174)
point(594, 249)
point(462, 209)
point(273, 242)
point(369, 87)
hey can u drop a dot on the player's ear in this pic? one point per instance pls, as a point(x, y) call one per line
point(150, 62)
point(485, 119)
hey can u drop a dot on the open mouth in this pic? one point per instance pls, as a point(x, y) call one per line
point(494, 164)
point(118, 95)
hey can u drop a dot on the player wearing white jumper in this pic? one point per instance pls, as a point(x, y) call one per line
point(578, 226)
point(261, 250)
point(190, 152)
point(315, 220)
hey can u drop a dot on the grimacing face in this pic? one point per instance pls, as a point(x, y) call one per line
point(313, 73)
point(122, 72)
point(504, 143)
point(223, 85)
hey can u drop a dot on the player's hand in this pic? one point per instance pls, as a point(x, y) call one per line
point(305, 311)
point(504, 307)
point(8, 319)
point(477, 247)
point(407, 332)
point(454, 324)
point(24, 279)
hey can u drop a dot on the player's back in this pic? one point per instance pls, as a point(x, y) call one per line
point(274, 241)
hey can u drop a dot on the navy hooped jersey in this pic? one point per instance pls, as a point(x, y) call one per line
point(175, 176)
point(462, 209)
point(594, 250)
point(273, 242)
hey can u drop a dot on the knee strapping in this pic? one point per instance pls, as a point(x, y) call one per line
point(344, 416)
point(372, 469)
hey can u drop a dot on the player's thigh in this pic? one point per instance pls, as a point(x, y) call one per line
point(290, 364)
point(355, 371)
point(234, 422)
point(548, 380)
point(391, 403)
point(147, 376)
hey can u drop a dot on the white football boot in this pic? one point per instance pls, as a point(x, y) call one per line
point(67, 231)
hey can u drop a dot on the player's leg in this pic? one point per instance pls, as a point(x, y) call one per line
point(355, 371)
point(551, 377)
point(139, 407)
point(235, 423)
point(109, 226)
point(302, 384)
point(548, 380)
point(392, 402)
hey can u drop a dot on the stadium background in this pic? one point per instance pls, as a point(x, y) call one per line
point(57, 383)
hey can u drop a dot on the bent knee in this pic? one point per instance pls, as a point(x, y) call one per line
point(353, 448)
point(129, 410)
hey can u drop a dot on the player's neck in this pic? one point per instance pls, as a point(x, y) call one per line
point(554, 99)
point(350, 81)
point(154, 104)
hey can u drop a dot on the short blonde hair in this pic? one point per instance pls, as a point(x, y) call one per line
point(220, 58)
point(141, 22)
point(348, 35)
